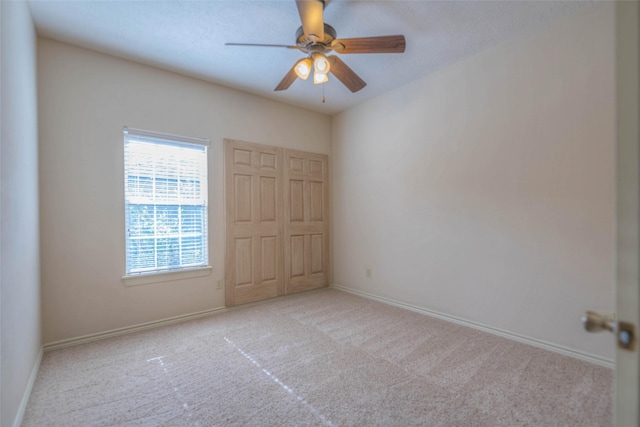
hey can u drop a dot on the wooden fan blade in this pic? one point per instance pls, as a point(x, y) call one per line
point(288, 80)
point(311, 15)
point(262, 45)
point(381, 44)
point(346, 75)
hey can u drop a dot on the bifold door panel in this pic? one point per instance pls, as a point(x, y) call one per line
point(276, 221)
point(306, 225)
point(253, 181)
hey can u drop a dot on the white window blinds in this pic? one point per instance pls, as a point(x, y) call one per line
point(165, 179)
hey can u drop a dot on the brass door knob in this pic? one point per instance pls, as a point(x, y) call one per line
point(595, 322)
point(625, 332)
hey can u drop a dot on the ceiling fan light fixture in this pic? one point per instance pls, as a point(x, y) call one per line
point(316, 39)
point(303, 68)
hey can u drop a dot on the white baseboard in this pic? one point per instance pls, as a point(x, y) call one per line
point(149, 325)
point(130, 329)
point(27, 392)
point(598, 360)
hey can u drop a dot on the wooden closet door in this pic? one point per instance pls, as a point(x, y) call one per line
point(254, 205)
point(306, 221)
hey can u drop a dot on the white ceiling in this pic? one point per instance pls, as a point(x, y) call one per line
point(189, 36)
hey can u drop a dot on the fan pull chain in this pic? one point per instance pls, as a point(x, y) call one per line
point(323, 94)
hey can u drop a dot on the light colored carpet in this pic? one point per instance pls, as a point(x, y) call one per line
point(319, 358)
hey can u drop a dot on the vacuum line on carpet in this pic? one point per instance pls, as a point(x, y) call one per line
point(184, 405)
point(281, 384)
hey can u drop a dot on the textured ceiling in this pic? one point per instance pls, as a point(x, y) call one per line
point(189, 36)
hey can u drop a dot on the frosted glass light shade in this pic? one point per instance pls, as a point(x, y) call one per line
point(319, 78)
point(320, 63)
point(303, 68)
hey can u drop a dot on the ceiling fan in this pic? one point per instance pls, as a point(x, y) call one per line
point(316, 39)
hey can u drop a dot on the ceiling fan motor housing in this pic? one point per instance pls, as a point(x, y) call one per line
point(305, 41)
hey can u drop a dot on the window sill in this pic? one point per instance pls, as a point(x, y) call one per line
point(144, 279)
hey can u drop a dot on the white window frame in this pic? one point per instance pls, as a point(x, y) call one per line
point(132, 278)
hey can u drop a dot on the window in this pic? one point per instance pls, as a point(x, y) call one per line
point(165, 180)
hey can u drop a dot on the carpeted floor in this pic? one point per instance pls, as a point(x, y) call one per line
point(319, 358)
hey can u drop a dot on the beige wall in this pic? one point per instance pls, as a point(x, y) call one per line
point(486, 191)
point(20, 338)
point(85, 100)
